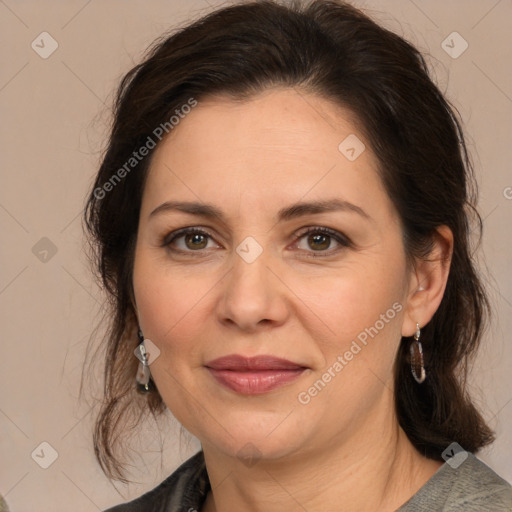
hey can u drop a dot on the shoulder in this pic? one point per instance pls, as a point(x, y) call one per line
point(465, 483)
point(184, 490)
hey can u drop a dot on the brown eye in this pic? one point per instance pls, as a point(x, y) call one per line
point(319, 242)
point(189, 240)
point(323, 241)
point(196, 241)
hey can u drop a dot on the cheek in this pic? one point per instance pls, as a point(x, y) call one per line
point(168, 306)
point(152, 295)
point(169, 302)
point(353, 298)
point(362, 310)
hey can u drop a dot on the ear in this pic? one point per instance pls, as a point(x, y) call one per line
point(427, 282)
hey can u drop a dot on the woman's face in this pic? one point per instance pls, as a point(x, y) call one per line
point(275, 241)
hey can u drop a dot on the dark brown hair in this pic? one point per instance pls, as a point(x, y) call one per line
point(330, 49)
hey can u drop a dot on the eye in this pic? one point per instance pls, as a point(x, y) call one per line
point(188, 240)
point(322, 240)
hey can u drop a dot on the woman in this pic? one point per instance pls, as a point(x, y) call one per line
point(282, 219)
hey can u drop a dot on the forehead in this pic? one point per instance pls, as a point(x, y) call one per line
point(279, 146)
point(290, 121)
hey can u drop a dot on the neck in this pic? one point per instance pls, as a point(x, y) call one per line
point(377, 469)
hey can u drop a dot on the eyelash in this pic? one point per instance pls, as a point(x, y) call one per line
point(342, 240)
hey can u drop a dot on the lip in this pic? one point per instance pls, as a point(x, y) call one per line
point(239, 363)
point(254, 375)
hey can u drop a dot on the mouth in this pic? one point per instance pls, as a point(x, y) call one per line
point(254, 375)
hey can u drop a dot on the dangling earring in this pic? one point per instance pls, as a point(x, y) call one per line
point(143, 378)
point(417, 361)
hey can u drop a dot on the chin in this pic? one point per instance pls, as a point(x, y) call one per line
point(268, 438)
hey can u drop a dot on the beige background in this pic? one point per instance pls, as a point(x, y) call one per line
point(54, 114)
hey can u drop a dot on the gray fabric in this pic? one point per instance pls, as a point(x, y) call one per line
point(469, 487)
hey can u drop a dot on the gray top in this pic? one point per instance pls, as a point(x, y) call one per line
point(463, 484)
point(467, 485)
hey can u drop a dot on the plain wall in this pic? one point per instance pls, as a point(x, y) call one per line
point(54, 119)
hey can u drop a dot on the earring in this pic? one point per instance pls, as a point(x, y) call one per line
point(143, 377)
point(417, 361)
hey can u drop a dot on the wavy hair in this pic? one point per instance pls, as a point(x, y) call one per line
point(330, 49)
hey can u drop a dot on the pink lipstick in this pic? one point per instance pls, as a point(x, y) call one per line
point(254, 375)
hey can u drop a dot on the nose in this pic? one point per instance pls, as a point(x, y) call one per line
point(253, 296)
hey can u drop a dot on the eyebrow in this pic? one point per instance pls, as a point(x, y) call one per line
point(288, 213)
